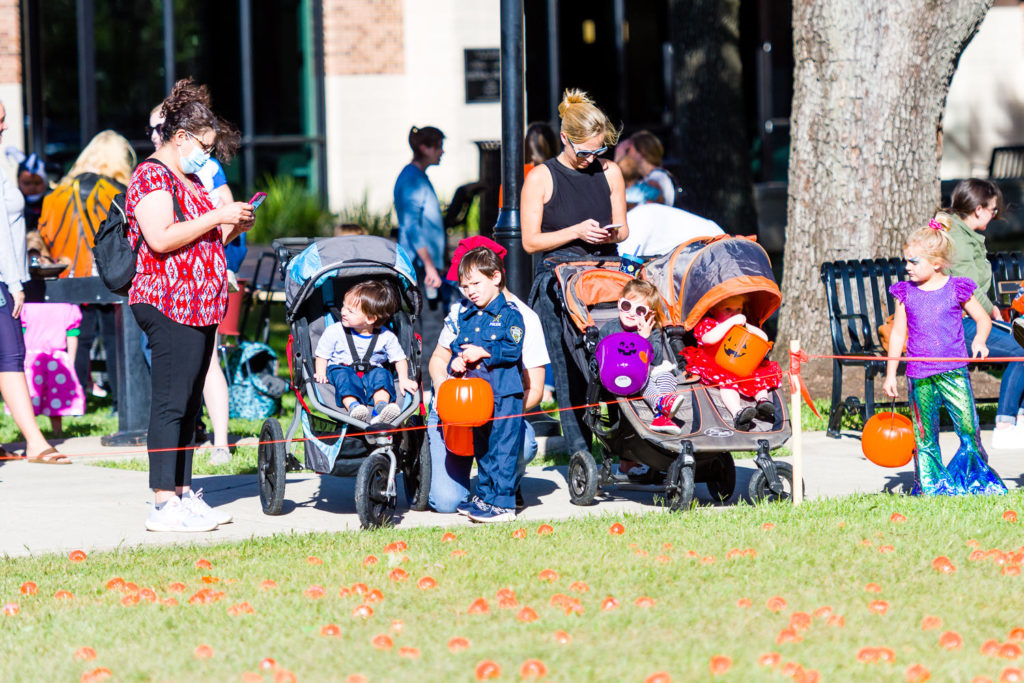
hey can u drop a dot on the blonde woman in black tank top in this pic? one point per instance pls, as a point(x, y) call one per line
point(569, 200)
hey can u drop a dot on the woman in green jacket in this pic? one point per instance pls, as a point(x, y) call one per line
point(974, 204)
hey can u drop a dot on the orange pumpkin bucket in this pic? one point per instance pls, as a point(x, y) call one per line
point(741, 351)
point(462, 404)
point(457, 439)
point(888, 439)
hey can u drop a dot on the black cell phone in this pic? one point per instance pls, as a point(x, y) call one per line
point(257, 199)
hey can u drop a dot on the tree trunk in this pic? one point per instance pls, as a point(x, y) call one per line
point(870, 87)
point(713, 140)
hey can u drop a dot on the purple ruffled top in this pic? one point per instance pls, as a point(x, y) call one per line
point(935, 328)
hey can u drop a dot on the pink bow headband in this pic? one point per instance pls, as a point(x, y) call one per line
point(935, 225)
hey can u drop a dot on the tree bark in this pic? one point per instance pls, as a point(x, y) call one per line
point(870, 86)
point(714, 142)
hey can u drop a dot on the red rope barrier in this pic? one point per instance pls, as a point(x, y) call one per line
point(794, 374)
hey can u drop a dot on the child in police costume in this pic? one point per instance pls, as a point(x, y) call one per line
point(489, 344)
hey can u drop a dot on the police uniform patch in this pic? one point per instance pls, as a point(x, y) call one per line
point(517, 334)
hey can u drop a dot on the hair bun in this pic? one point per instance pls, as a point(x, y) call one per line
point(573, 96)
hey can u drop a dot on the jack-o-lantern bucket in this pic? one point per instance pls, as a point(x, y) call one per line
point(458, 439)
point(462, 404)
point(741, 351)
point(467, 401)
point(888, 439)
point(623, 361)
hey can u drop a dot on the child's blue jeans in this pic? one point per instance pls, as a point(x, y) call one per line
point(347, 383)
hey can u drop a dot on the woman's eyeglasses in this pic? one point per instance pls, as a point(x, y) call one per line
point(158, 129)
point(206, 150)
point(586, 153)
point(625, 305)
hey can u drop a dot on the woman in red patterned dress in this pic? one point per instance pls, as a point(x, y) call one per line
point(700, 360)
point(179, 294)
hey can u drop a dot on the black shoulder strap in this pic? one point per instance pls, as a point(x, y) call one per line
point(361, 364)
point(177, 207)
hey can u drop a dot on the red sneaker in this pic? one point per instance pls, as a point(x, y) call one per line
point(664, 425)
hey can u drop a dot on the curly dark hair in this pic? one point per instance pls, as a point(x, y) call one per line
point(188, 108)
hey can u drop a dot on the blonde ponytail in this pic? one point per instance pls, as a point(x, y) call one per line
point(582, 119)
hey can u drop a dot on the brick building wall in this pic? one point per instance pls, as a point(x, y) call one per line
point(362, 37)
point(10, 42)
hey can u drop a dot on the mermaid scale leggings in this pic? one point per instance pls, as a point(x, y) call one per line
point(967, 472)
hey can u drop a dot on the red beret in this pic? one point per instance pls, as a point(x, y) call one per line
point(472, 243)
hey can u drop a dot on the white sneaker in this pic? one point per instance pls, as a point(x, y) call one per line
point(174, 516)
point(1007, 439)
point(220, 456)
point(359, 412)
point(194, 503)
point(387, 414)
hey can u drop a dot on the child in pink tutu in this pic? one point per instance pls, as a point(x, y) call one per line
point(51, 341)
point(700, 360)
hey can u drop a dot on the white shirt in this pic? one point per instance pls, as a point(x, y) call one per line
point(656, 229)
point(13, 250)
point(535, 353)
point(663, 180)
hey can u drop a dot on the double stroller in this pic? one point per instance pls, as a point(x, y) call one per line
point(691, 280)
point(317, 273)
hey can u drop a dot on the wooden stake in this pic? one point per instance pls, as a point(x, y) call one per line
point(794, 420)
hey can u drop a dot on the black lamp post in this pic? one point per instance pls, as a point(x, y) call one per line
point(507, 229)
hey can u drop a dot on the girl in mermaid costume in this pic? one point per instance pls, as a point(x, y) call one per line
point(928, 312)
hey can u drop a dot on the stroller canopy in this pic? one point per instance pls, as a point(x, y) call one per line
point(350, 256)
point(697, 274)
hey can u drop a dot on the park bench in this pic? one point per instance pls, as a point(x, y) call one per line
point(858, 299)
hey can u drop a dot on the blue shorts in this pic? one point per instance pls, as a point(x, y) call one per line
point(348, 383)
point(12, 339)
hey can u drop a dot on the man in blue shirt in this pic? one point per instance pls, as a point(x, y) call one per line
point(420, 225)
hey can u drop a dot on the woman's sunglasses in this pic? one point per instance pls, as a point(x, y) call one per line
point(158, 129)
point(625, 305)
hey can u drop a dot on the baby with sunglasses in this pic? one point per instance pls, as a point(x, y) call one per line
point(639, 308)
point(710, 333)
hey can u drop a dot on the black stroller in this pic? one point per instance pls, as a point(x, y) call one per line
point(587, 292)
point(317, 273)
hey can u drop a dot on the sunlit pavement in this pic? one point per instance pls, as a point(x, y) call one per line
point(48, 508)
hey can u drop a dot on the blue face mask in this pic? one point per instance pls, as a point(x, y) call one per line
point(195, 160)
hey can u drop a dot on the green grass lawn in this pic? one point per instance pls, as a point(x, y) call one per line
point(681, 589)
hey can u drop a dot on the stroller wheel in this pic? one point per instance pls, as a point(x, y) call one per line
point(721, 481)
point(582, 478)
point(760, 490)
point(270, 466)
point(679, 485)
point(372, 501)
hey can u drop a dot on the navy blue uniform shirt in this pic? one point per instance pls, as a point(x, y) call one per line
point(498, 329)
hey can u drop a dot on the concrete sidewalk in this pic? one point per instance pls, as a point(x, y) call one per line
point(61, 508)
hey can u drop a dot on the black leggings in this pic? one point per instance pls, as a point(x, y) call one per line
point(97, 318)
point(181, 357)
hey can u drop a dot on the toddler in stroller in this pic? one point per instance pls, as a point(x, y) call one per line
point(639, 309)
point(711, 336)
point(351, 353)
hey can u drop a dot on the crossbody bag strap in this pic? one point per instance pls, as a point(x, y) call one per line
point(178, 213)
